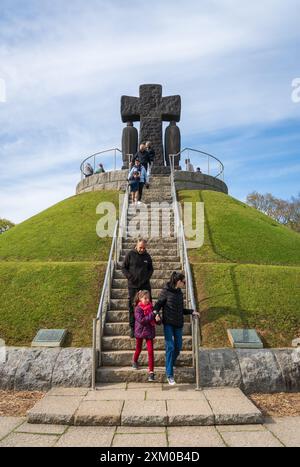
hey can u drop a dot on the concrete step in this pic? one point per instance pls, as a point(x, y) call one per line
point(127, 343)
point(170, 248)
point(166, 251)
point(158, 188)
point(121, 316)
point(162, 265)
point(143, 404)
point(119, 293)
point(127, 374)
point(151, 220)
point(153, 243)
point(157, 208)
point(160, 259)
point(124, 358)
point(150, 233)
point(155, 283)
point(155, 198)
point(159, 181)
point(163, 274)
point(137, 223)
point(122, 303)
point(150, 204)
point(134, 234)
point(142, 224)
point(151, 210)
point(156, 195)
point(123, 329)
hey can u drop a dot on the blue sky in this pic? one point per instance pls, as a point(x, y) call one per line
point(66, 64)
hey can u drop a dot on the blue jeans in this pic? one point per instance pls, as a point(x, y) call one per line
point(173, 340)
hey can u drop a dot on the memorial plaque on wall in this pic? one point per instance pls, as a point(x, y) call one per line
point(244, 339)
point(49, 338)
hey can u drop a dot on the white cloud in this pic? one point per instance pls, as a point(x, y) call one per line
point(66, 67)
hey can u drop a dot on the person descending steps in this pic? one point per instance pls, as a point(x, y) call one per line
point(148, 269)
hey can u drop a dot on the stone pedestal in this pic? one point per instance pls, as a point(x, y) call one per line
point(129, 143)
point(172, 143)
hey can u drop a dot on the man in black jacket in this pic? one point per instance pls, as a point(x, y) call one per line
point(138, 269)
point(143, 156)
point(151, 154)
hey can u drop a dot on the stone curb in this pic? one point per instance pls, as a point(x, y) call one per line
point(252, 370)
point(40, 369)
point(261, 370)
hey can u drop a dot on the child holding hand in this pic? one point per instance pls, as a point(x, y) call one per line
point(145, 321)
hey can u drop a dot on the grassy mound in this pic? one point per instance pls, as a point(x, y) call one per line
point(246, 274)
point(51, 271)
point(235, 232)
point(64, 232)
point(49, 295)
point(265, 298)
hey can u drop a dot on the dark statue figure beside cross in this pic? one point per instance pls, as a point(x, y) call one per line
point(151, 110)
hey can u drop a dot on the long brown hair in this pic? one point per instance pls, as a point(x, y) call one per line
point(140, 295)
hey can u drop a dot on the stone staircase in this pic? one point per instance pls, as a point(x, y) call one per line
point(117, 346)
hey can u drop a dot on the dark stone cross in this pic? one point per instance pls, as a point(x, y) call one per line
point(151, 109)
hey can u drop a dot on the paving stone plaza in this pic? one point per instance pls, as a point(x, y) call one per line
point(275, 432)
point(147, 415)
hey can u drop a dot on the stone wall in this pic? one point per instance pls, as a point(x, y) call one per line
point(117, 180)
point(198, 181)
point(261, 370)
point(114, 180)
point(39, 369)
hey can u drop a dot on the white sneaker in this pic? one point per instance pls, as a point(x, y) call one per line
point(139, 203)
point(171, 381)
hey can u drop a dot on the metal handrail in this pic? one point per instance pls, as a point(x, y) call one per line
point(107, 274)
point(190, 296)
point(220, 174)
point(93, 158)
point(114, 254)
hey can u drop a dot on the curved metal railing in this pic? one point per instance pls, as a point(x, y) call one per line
point(208, 163)
point(96, 158)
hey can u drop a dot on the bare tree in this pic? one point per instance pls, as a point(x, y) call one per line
point(284, 212)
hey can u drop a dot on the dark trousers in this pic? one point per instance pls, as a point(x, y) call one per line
point(132, 291)
point(141, 187)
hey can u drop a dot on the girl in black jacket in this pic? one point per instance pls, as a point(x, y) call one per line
point(172, 303)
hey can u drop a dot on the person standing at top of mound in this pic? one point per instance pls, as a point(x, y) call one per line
point(138, 269)
point(143, 156)
point(171, 301)
point(151, 154)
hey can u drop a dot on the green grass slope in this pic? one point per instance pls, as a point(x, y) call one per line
point(235, 232)
point(51, 271)
point(247, 273)
point(42, 295)
point(64, 232)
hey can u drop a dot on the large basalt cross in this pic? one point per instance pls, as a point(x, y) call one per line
point(151, 109)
